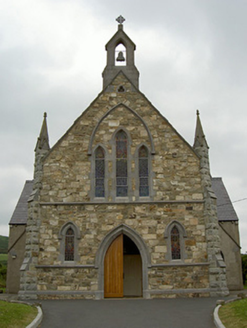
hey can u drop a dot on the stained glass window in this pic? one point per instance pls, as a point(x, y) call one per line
point(175, 243)
point(143, 171)
point(99, 172)
point(121, 164)
point(69, 245)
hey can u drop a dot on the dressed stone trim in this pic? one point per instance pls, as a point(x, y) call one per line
point(180, 291)
point(182, 264)
point(121, 202)
point(62, 266)
point(132, 111)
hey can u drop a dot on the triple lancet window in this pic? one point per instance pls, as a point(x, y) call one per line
point(120, 161)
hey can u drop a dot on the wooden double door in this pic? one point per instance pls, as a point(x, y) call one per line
point(122, 269)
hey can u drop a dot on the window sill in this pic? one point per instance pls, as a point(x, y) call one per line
point(69, 263)
point(123, 199)
point(144, 198)
point(99, 199)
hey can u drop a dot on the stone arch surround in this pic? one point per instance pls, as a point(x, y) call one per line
point(106, 114)
point(103, 247)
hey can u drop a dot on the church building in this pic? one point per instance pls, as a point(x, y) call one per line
point(122, 205)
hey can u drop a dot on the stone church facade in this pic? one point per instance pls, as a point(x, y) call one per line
point(122, 205)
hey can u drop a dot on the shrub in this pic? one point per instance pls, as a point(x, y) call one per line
point(244, 268)
point(3, 275)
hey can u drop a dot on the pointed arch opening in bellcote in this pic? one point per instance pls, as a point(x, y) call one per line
point(120, 39)
point(120, 55)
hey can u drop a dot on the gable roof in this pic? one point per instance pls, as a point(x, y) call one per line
point(225, 208)
point(119, 36)
point(20, 213)
point(106, 90)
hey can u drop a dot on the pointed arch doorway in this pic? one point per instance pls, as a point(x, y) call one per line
point(122, 269)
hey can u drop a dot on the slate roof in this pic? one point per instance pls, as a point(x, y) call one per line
point(20, 213)
point(225, 208)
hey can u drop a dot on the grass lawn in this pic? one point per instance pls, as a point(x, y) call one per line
point(16, 315)
point(234, 315)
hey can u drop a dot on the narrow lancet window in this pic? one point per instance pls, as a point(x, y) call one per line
point(143, 171)
point(175, 244)
point(121, 164)
point(99, 172)
point(69, 245)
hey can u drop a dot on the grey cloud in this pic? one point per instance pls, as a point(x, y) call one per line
point(213, 80)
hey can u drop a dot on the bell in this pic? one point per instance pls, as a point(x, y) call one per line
point(120, 57)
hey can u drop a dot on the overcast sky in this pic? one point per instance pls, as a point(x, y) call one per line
point(191, 55)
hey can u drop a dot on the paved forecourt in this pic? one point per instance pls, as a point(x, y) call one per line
point(131, 313)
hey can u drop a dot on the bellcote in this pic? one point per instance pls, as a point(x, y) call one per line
point(120, 57)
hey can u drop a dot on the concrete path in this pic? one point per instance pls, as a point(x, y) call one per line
point(129, 313)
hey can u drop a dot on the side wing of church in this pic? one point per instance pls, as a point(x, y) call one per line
point(122, 205)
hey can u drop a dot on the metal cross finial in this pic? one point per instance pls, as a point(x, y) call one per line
point(120, 19)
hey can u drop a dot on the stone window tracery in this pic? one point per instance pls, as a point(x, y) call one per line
point(119, 172)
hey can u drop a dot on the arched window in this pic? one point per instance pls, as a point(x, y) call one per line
point(69, 245)
point(121, 164)
point(69, 235)
point(175, 244)
point(143, 171)
point(175, 234)
point(99, 172)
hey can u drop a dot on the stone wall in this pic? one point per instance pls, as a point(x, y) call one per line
point(175, 166)
point(62, 280)
point(177, 194)
point(217, 267)
point(148, 220)
point(17, 239)
point(180, 278)
point(229, 234)
point(96, 221)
